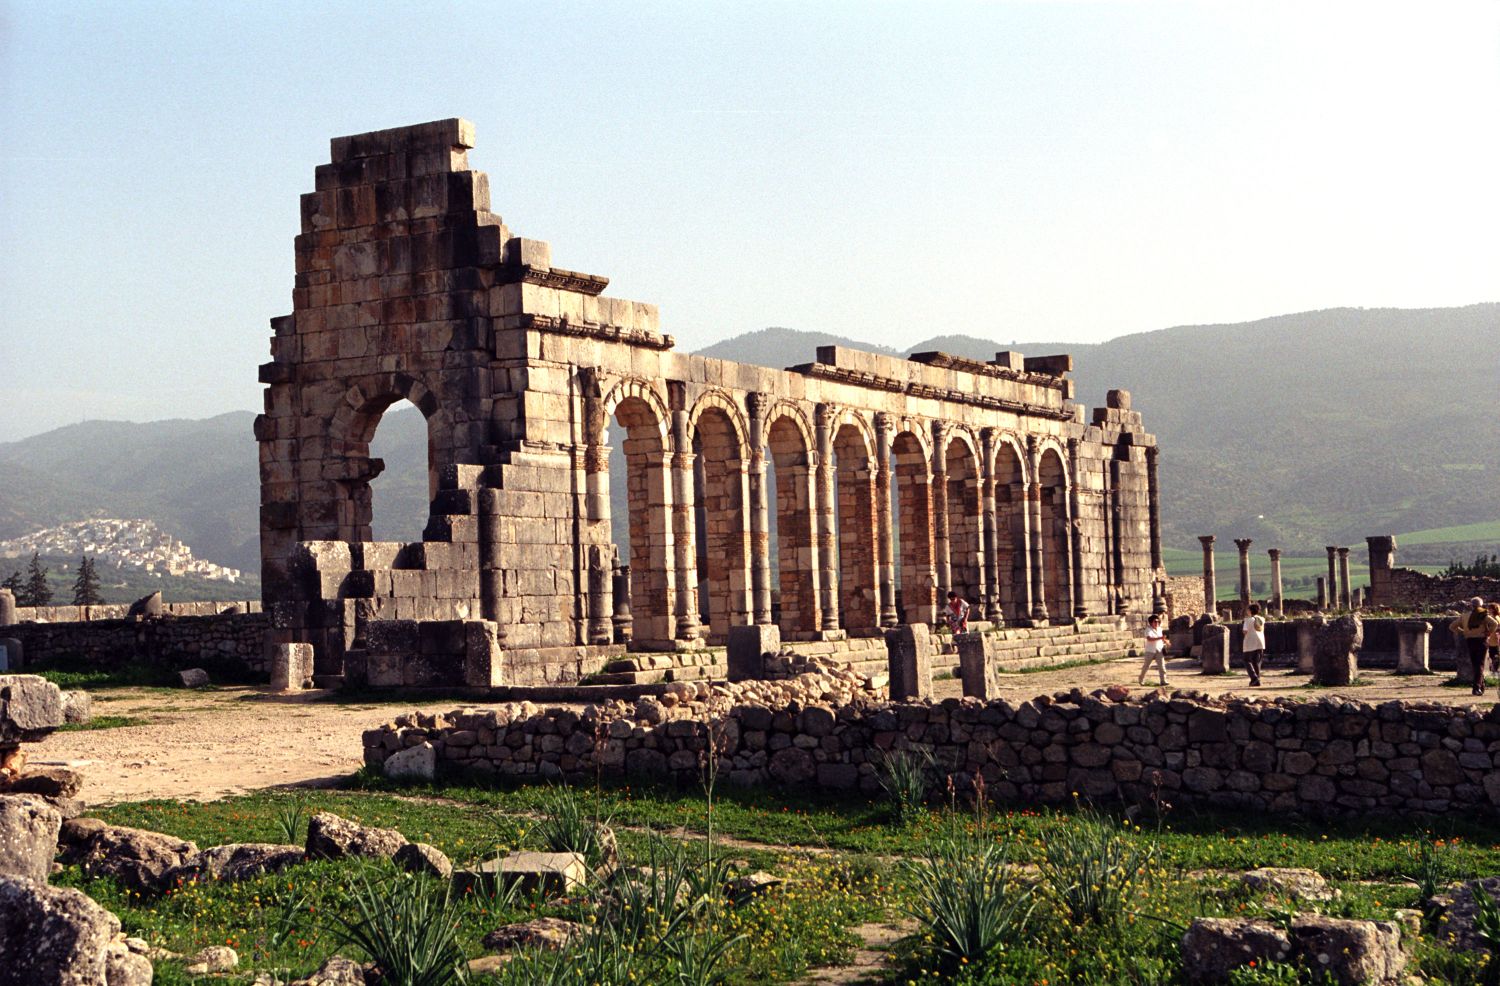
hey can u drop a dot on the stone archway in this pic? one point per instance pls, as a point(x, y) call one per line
point(723, 531)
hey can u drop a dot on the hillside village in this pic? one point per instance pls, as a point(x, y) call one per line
point(122, 543)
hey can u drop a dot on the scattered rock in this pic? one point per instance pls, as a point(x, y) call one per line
point(332, 837)
point(78, 707)
point(28, 837)
point(546, 933)
point(1455, 910)
point(1213, 947)
point(419, 857)
point(57, 936)
point(1354, 953)
point(49, 782)
point(137, 858)
point(30, 708)
point(417, 762)
point(650, 711)
point(745, 887)
point(1302, 884)
point(337, 971)
point(236, 861)
point(193, 678)
point(215, 958)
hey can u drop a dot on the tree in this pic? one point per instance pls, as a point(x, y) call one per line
point(86, 586)
point(38, 592)
point(15, 585)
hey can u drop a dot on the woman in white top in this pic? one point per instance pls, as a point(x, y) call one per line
point(1254, 644)
point(1156, 650)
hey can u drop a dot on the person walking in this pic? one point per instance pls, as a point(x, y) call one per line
point(1156, 650)
point(1253, 643)
point(1492, 642)
point(957, 613)
point(1475, 627)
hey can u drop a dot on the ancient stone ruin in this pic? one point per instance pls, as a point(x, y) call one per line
point(894, 479)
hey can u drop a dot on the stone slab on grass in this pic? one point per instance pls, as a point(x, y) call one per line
point(550, 872)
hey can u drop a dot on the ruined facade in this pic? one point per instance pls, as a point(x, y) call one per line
point(1407, 588)
point(893, 479)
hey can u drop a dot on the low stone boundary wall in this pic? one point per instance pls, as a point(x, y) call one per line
point(1311, 758)
point(173, 641)
point(119, 611)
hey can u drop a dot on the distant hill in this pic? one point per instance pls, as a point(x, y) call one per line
point(1298, 431)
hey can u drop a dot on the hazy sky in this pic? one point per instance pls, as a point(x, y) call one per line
point(880, 170)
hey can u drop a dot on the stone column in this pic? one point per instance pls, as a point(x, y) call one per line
point(909, 660)
point(1210, 585)
point(624, 623)
point(1333, 577)
point(885, 535)
point(1244, 545)
point(491, 582)
point(1276, 599)
point(1075, 534)
point(942, 556)
point(992, 611)
point(760, 507)
point(1038, 539)
point(1382, 560)
point(684, 529)
point(7, 608)
point(1153, 508)
point(1322, 593)
point(1345, 600)
point(827, 561)
point(600, 629)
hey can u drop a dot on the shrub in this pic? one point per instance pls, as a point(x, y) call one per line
point(964, 897)
point(407, 926)
point(1091, 867)
point(903, 778)
point(568, 825)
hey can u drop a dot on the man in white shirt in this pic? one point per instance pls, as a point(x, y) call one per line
point(1254, 643)
point(1156, 650)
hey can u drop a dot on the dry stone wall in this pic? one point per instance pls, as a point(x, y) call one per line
point(1327, 756)
point(226, 640)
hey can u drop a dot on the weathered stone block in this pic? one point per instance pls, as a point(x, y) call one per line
point(749, 646)
point(28, 837)
point(1215, 654)
point(1334, 662)
point(551, 873)
point(1412, 640)
point(978, 665)
point(291, 666)
point(30, 708)
point(909, 659)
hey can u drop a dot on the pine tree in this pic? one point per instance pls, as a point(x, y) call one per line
point(15, 585)
point(38, 592)
point(86, 586)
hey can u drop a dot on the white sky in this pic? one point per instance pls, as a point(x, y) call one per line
point(879, 170)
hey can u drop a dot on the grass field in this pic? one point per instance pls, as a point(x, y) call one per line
point(1298, 573)
point(846, 863)
point(1488, 531)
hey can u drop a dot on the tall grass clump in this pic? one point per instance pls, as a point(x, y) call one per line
point(570, 825)
point(964, 896)
point(407, 925)
point(903, 779)
point(1092, 867)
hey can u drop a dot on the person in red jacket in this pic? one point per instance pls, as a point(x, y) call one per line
point(957, 613)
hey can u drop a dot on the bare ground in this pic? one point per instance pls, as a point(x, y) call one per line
point(204, 745)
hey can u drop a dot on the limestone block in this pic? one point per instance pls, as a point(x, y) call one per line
point(193, 678)
point(291, 666)
point(1307, 643)
point(749, 646)
point(30, 708)
point(552, 873)
point(1215, 659)
point(7, 608)
point(484, 658)
point(1412, 640)
point(909, 657)
point(1334, 662)
point(978, 665)
point(28, 837)
point(417, 762)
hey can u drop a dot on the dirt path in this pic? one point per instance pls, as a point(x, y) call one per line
point(202, 745)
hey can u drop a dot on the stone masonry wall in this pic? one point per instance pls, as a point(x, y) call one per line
point(118, 611)
point(1403, 588)
point(177, 641)
point(1327, 756)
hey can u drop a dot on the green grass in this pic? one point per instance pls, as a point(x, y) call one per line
point(1464, 533)
point(841, 855)
point(103, 722)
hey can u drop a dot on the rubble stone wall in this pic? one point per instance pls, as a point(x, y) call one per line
point(1403, 588)
point(118, 611)
point(1327, 756)
point(177, 641)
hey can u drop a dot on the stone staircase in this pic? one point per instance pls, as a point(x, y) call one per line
point(1097, 638)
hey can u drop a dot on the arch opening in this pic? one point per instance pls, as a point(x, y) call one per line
point(393, 473)
point(720, 498)
point(1054, 536)
point(640, 517)
point(965, 534)
point(911, 492)
point(794, 548)
point(1010, 533)
point(856, 544)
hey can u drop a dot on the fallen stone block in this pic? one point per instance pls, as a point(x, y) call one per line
point(337, 971)
point(139, 859)
point(30, 708)
point(28, 837)
point(332, 837)
point(193, 678)
point(415, 762)
point(211, 960)
point(57, 936)
point(419, 857)
point(236, 861)
point(550, 934)
point(1455, 911)
point(78, 707)
point(1303, 884)
point(1215, 947)
point(551, 873)
point(1354, 953)
point(49, 782)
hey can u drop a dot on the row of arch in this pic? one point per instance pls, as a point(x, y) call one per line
point(875, 517)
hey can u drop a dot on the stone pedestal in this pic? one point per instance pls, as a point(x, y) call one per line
point(1210, 584)
point(1307, 643)
point(749, 646)
point(1215, 659)
point(978, 669)
point(1412, 647)
point(7, 608)
point(291, 666)
point(1334, 661)
point(1462, 666)
point(909, 653)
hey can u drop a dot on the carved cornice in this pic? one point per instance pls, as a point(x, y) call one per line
point(593, 330)
point(552, 277)
point(872, 381)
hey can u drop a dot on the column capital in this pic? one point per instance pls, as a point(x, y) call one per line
point(1275, 553)
point(1343, 552)
point(1243, 544)
point(757, 403)
point(1152, 453)
point(1207, 540)
point(883, 424)
point(824, 414)
point(1332, 550)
